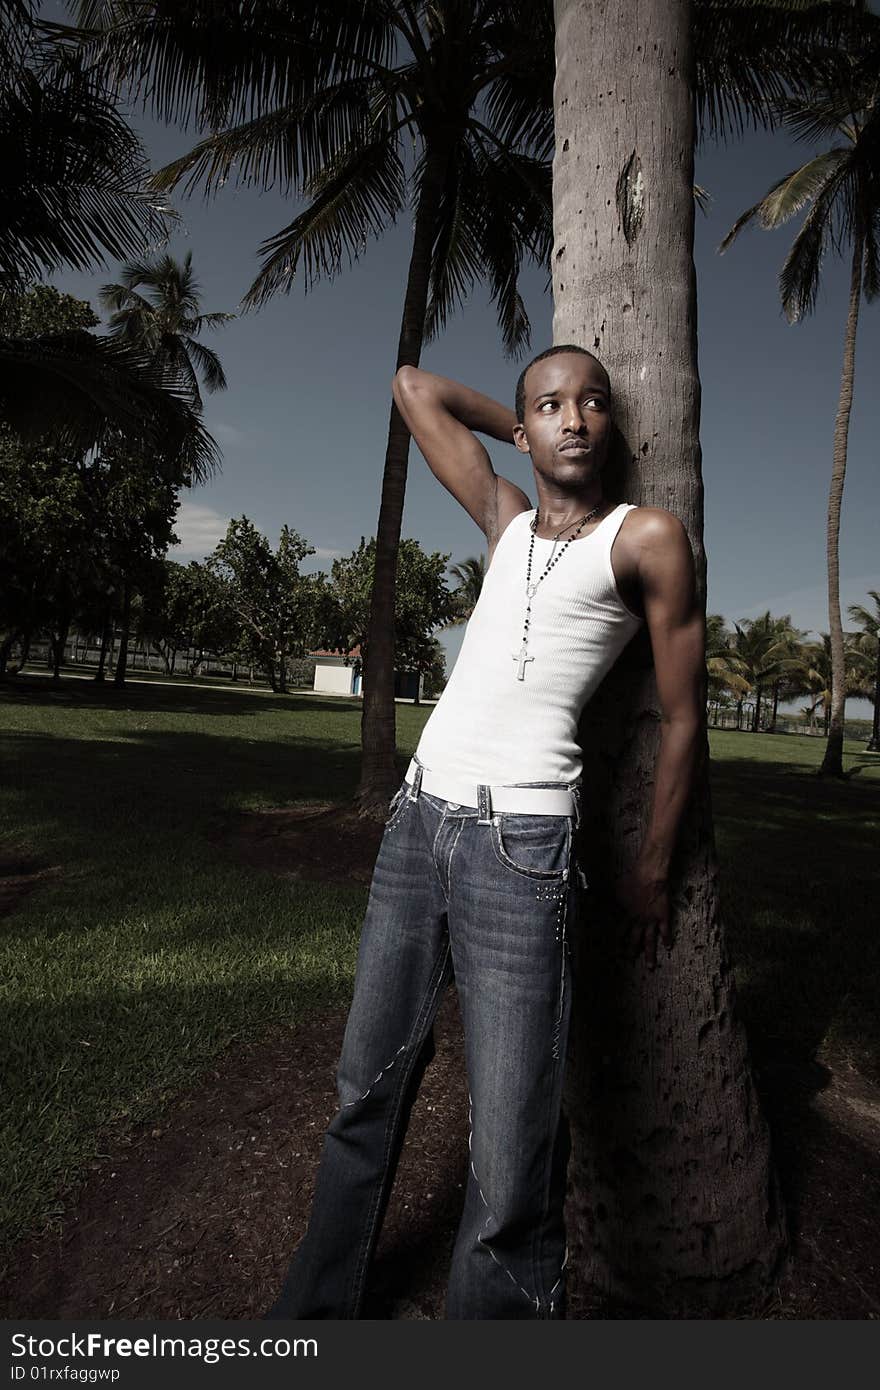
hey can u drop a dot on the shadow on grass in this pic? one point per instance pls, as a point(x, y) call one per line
point(146, 695)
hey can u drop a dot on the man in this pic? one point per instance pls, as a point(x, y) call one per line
point(475, 872)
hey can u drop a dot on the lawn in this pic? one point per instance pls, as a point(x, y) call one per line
point(147, 952)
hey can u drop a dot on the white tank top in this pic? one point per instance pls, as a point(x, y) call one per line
point(488, 726)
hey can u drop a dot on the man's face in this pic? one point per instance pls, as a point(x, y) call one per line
point(567, 419)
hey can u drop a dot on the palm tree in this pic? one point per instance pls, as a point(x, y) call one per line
point(816, 676)
point(73, 193)
point(72, 172)
point(162, 325)
point(724, 667)
point(164, 322)
point(767, 649)
point(870, 640)
point(327, 100)
point(470, 575)
point(669, 1212)
point(841, 187)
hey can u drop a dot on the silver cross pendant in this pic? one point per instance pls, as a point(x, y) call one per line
point(522, 657)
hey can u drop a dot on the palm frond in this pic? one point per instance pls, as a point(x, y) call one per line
point(800, 275)
point(218, 63)
point(358, 195)
point(79, 389)
point(752, 55)
point(281, 148)
point(206, 361)
point(72, 174)
point(456, 261)
point(210, 321)
point(790, 194)
point(871, 262)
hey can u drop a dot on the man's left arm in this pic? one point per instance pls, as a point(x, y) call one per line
point(677, 630)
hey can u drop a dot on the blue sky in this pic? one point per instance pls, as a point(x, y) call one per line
point(304, 422)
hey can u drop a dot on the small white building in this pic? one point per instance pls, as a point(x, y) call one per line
point(333, 677)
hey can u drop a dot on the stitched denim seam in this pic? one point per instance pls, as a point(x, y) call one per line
point(549, 1169)
point(452, 850)
point(378, 1077)
point(391, 1128)
point(480, 1241)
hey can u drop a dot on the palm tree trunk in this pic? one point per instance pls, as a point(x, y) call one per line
point(379, 775)
point(756, 718)
point(772, 728)
point(873, 744)
point(832, 763)
point(673, 1201)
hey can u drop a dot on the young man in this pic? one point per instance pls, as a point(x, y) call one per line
point(475, 872)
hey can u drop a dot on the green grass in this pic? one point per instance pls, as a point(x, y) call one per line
point(800, 859)
point(148, 952)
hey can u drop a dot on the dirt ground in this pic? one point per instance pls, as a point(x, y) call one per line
point(197, 1214)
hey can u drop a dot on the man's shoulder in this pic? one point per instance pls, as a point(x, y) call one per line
point(653, 527)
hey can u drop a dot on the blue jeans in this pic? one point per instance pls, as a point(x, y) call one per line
point(491, 899)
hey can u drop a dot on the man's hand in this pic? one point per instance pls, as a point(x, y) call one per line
point(644, 896)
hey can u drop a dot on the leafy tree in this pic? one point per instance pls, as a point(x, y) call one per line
point(155, 308)
point(46, 544)
point(869, 622)
point(134, 508)
point(841, 188)
point(41, 309)
point(276, 605)
point(470, 575)
point(424, 603)
point(190, 610)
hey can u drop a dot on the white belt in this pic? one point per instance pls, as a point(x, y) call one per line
point(536, 801)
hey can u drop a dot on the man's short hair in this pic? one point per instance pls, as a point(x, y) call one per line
point(548, 352)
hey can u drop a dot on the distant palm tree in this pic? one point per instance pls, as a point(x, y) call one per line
point(841, 186)
point(870, 641)
point(723, 667)
point(155, 309)
point(815, 679)
point(768, 652)
point(470, 575)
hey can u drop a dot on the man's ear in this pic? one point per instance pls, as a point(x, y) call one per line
point(519, 439)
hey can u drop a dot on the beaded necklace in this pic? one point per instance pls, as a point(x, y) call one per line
point(522, 656)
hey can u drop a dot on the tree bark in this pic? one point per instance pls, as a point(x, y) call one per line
point(873, 744)
point(674, 1203)
point(772, 729)
point(102, 656)
point(379, 775)
point(58, 642)
point(832, 763)
point(122, 659)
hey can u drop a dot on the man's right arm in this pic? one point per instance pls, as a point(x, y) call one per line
point(442, 416)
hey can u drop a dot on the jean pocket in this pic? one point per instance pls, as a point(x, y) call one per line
point(396, 804)
point(534, 846)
